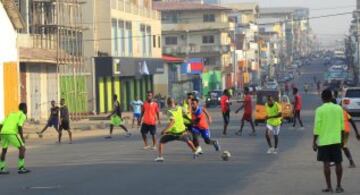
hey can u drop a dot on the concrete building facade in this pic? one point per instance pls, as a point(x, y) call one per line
point(123, 44)
point(195, 30)
point(10, 22)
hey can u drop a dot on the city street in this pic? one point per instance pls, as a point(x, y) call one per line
point(94, 165)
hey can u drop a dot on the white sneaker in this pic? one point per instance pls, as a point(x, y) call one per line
point(153, 148)
point(147, 147)
point(128, 135)
point(275, 151)
point(159, 159)
point(270, 151)
point(199, 151)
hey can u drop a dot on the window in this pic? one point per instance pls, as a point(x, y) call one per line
point(154, 41)
point(148, 40)
point(120, 38)
point(353, 93)
point(114, 43)
point(159, 41)
point(143, 39)
point(208, 39)
point(209, 18)
point(129, 38)
point(170, 40)
point(170, 18)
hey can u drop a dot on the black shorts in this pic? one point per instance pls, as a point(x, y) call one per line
point(330, 153)
point(145, 129)
point(53, 122)
point(185, 137)
point(226, 116)
point(65, 125)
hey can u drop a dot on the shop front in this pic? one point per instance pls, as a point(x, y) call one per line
point(128, 78)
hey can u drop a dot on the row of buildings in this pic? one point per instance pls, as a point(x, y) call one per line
point(86, 51)
point(352, 44)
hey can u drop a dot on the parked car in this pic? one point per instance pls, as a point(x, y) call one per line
point(213, 98)
point(271, 85)
point(351, 100)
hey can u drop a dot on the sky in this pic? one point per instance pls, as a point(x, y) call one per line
point(327, 29)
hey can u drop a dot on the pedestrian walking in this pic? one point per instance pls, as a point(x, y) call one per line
point(116, 118)
point(11, 133)
point(318, 87)
point(328, 134)
point(53, 120)
point(64, 120)
point(225, 109)
point(136, 107)
point(273, 124)
point(247, 115)
point(149, 116)
point(175, 130)
point(286, 88)
point(297, 108)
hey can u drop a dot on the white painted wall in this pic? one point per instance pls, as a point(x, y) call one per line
point(8, 50)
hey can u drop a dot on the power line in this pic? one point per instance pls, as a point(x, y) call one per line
point(263, 24)
point(332, 8)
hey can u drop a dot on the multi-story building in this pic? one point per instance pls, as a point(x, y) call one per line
point(271, 41)
point(245, 16)
point(123, 42)
point(51, 57)
point(297, 29)
point(201, 31)
point(10, 22)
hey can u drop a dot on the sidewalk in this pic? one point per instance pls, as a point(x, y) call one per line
point(98, 122)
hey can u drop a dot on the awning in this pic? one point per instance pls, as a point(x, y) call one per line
point(172, 59)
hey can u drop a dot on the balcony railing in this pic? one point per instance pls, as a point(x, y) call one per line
point(196, 49)
point(121, 5)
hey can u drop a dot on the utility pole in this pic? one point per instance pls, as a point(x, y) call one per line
point(234, 59)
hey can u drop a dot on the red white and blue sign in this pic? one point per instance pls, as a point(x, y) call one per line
point(192, 66)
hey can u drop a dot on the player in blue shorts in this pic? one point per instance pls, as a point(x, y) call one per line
point(54, 119)
point(201, 126)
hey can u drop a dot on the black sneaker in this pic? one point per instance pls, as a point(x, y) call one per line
point(23, 171)
point(216, 145)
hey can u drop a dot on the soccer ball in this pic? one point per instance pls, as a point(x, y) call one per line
point(226, 155)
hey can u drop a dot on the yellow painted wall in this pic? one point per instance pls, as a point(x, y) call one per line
point(11, 87)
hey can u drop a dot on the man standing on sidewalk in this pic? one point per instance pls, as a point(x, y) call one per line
point(149, 115)
point(328, 138)
point(297, 108)
point(225, 109)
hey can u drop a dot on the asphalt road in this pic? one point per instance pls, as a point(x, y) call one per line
point(120, 166)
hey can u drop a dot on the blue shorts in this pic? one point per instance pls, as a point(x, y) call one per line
point(53, 122)
point(137, 116)
point(205, 133)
